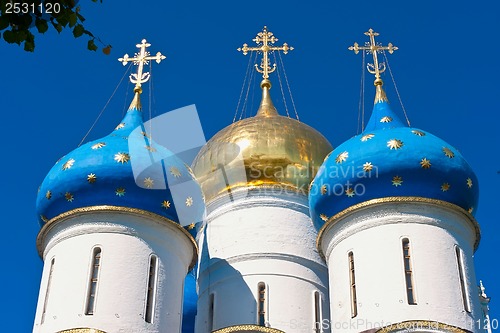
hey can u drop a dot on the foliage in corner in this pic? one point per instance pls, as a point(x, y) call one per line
point(19, 19)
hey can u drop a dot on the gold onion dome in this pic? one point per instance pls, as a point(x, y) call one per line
point(267, 150)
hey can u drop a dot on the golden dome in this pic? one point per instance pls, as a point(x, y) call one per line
point(265, 150)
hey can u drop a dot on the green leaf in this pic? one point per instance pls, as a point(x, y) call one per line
point(57, 26)
point(72, 19)
point(41, 25)
point(78, 30)
point(91, 45)
point(107, 50)
point(4, 22)
point(9, 36)
point(29, 45)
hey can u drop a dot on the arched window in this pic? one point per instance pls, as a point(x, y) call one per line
point(49, 280)
point(410, 290)
point(462, 277)
point(151, 291)
point(352, 282)
point(261, 304)
point(211, 312)
point(94, 275)
point(317, 312)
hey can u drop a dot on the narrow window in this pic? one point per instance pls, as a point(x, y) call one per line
point(410, 291)
point(150, 297)
point(49, 280)
point(261, 304)
point(352, 282)
point(94, 274)
point(462, 277)
point(317, 312)
point(211, 313)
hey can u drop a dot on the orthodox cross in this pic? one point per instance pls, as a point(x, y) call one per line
point(265, 40)
point(140, 58)
point(373, 48)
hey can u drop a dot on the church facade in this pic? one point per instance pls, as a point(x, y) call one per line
point(269, 230)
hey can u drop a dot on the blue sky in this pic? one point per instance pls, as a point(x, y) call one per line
point(446, 71)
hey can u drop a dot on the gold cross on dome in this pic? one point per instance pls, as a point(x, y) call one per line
point(374, 48)
point(140, 59)
point(265, 40)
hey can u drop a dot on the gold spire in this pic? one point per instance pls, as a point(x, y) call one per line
point(140, 59)
point(375, 68)
point(265, 41)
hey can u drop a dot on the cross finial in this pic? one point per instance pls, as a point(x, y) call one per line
point(265, 41)
point(375, 68)
point(140, 59)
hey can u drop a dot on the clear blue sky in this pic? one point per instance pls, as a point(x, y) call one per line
point(446, 70)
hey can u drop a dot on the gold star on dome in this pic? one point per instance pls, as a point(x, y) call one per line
point(69, 163)
point(189, 201)
point(470, 210)
point(469, 182)
point(323, 190)
point(342, 157)
point(98, 145)
point(91, 178)
point(144, 134)
point(367, 137)
point(121, 125)
point(122, 157)
point(397, 181)
point(175, 172)
point(148, 182)
point(418, 133)
point(150, 149)
point(349, 192)
point(48, 195)
point(120, 191)
point(323, 217)
point(69, 197)
point(385, 119)
point(394, 144)
point(445, 187)
point(448, 152)
point(425, 163)
point(367, 167)
point(165, 204)
point(190, 227)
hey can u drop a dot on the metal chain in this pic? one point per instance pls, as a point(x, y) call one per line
point(288, 85)
point(281, 86)
point(104, 108)
point(396, 88)
point(242, 87)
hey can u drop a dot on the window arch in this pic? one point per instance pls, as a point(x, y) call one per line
point(410, 288)
point(49, 281)
point(93, 279)
point(151, 288)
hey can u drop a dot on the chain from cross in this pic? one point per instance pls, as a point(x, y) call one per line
point(140, 59)
point(265, 40)
point(374, 48)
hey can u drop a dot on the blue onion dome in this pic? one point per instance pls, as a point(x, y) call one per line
point(391, 159)
point(124, 169)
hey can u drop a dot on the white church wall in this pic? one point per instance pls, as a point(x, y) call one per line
point(127, 243)
point(261, 239)
point(374, 235)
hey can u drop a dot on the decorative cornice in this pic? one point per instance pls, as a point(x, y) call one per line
point(82, 330)
point(247, 328)
point(406, 200)
point(115, 209)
